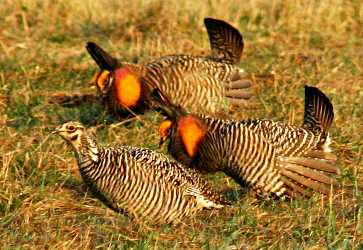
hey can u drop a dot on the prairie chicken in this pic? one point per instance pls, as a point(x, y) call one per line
point(271, 157)
point(197, 83)
point(139, 181)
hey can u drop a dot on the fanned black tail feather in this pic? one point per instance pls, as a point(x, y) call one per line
point(226, 41)
point(319, 112)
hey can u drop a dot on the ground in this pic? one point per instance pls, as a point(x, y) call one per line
point(43, 201)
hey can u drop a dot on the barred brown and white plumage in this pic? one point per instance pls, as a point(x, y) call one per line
point(313, 134)
point(139, 181)
point(197, 83)
point(272, 157)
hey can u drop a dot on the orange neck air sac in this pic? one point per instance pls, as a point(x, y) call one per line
point(191, 132)
point(127, 87)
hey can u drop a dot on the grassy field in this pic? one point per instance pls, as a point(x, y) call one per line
point(43, 202)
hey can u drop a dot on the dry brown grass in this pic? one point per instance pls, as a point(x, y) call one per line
point(44, 204)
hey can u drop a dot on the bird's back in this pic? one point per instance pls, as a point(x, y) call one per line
point(311, 137)
point(195, 83)
point(288, 140)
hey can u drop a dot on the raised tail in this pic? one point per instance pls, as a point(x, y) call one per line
point(104, 60)
point(302, 175)
point(319, 113)
point(226, 41)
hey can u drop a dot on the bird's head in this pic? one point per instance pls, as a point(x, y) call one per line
point(72, 133)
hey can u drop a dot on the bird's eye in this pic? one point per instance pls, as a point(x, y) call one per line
point(71, 128)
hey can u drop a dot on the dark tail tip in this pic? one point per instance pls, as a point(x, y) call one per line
point(319, 113)
point(225, 40)
point(104, 60)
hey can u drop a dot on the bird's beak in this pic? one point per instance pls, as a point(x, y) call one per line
point(56, 131)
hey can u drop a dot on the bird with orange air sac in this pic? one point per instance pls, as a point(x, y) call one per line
point(210, 83)
point(271, 157)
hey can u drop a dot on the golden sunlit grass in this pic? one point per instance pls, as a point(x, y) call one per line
point(43, 202)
